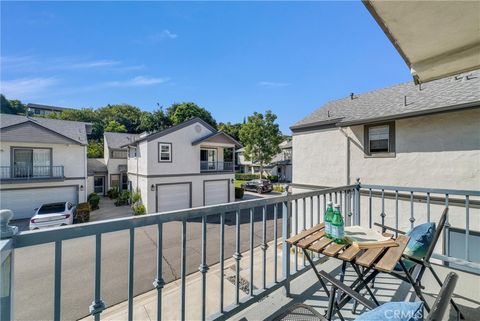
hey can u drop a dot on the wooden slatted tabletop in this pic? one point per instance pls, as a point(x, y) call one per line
point(383, 259)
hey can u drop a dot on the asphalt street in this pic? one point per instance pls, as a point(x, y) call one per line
point(34, 265)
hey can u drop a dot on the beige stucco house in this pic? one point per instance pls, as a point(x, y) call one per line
point(42, 160)
point(181, 167)
point(111, 170)
point(407, 134)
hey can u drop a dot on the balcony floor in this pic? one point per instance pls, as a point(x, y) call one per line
point(304, 289)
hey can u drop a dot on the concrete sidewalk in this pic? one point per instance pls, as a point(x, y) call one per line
point(145, 305)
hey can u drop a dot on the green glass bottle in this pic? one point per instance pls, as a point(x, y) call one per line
point(327, 218)
point(338, 226)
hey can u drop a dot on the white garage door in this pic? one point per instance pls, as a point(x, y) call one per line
point(173, 197)
point(23, 201)
point(216, 192)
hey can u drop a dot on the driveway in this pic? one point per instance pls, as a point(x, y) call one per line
point(34, 272)
point(253, 196)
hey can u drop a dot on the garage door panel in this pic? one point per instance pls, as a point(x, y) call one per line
point(216, 192)
point(23, 201)
point(173, 197)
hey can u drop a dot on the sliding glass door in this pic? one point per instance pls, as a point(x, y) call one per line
point(32, 162)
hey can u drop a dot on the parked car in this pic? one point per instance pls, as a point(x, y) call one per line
point(52, 215)
point(258, 185)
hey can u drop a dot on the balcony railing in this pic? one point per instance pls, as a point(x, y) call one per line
point(292, 213)
point(31, 172)
point(216, 166)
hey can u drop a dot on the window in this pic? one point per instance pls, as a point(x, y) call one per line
point(115, 181)
point(132, 152)
point(380, 139)
point(164, 152)
point(119, 154)
point(32, 161)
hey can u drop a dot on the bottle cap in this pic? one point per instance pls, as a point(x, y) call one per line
point(336, 205)
point(329, 203)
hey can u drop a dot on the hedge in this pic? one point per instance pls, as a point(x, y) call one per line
point(239, 192)
point(249, 177)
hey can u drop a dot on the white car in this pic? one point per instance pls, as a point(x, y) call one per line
point(52, 215)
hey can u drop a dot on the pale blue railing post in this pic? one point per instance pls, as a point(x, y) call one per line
point(6, 271)
point(357, 201)
point(286, 213)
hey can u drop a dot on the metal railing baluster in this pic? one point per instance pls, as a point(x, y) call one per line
point(131, 253)
point(428, 207)
point(286, 213)
point(252, 239)
point(183, 269)
point(396, 213)
point(412, 217)
point(264, 246)
point(97, 305)
point(296, 232)
point(370, 208)
point(446, 235)
point(324, 204)
point(237, 256)
point(304, 225)
point(383, 208)
point(222, 258)
point(57, 282)
point(275, 237)
point(311, 211)
point(467, 226)
point(203, 268)
point(159, 283)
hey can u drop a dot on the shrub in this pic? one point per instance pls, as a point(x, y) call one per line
point(136, 197)
point(113, 193)
point(273, 178)
point(246, 177)
point(278, 188)
point(123, 198)
point(239, 192)
point(138, 209)
point(93, 199)
point(83, 212)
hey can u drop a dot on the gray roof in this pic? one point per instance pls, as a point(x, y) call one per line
point(402, 100)
point(73, 130)
point(96, 165)
point(119, 140)
point(169, 130)
point(47, 107)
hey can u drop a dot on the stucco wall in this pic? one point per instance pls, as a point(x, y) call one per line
point(438, 151)
point(149, 196)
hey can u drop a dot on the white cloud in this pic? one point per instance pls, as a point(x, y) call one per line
point(23, 88)
point(137, 82)
point(271, 84)
point(93, 64)
point(164, 34)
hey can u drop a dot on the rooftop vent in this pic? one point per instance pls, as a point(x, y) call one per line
point(352, 96)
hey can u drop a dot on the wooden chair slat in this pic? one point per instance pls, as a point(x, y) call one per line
point(333, 249)
point(369, 257)
point(303, 234)
point(318, 246)
point(392, 255)
point(349, 253)
point(311, 239)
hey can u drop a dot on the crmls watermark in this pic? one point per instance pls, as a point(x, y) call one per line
point(402, 314)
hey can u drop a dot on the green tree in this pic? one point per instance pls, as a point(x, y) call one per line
point(178, 113)
point(154, 121)
point(95, 148)
point(127, 115)
point(14, 107)
point(231, 129)
point(260, 136)
point(115, 126)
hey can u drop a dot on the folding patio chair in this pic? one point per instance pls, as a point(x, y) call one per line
point(299, 311)
point(422, 263)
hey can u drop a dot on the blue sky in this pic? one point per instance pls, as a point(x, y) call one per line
point(231, 58)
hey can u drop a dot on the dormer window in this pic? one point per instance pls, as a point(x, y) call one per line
point(164, 152)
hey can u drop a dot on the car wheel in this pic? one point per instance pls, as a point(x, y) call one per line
point(259, 190)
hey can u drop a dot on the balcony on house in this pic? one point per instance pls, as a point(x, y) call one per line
point(231, 260)
point(206, 166)
point(30, 173)
point(212, 159)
